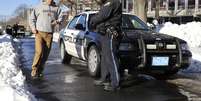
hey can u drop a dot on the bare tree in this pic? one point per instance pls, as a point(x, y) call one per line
point(78, 5)
point(21, 10)
point(71, 4)
point(67, 1)
point(140, 9)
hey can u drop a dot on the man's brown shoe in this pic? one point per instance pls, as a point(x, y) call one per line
point(33, 72)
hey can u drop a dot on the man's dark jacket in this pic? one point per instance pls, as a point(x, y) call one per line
point(109, 15)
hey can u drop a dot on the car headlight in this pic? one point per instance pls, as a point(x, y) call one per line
point(151, 46)
point(184, 46)
point(171, 46)
point(126, 47)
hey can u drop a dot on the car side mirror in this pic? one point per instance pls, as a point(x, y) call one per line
point(79, 27)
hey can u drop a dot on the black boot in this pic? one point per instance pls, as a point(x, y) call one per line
point(110, 88)
point(100, 83)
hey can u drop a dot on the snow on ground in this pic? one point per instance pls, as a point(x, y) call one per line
point(190, 32)
point(12, 81)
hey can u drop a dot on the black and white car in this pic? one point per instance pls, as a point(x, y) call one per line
point(140, 49)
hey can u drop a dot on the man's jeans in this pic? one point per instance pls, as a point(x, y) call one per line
point(43, 42)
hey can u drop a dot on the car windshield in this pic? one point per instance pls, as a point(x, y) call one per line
point(129, 22)
point(133, 22)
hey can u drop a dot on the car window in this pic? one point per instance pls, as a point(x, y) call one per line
point(82, 20)
point(90, 16)
point(73, 22)
point(133, 22)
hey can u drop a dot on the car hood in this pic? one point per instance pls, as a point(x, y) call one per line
point(148, 35)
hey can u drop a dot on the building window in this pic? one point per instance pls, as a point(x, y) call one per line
point(130, 6)
point(163, 4)
point(181, 4)
point(199, 3)
point(191, 4)
point(153, 4)
point(171, 4)
point(124, 4)
point(127, 5)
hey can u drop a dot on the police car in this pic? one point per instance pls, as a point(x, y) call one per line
point(141, 49)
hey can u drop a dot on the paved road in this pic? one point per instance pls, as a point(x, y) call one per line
point(73, 83)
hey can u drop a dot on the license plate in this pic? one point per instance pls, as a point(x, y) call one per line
point(160, 61)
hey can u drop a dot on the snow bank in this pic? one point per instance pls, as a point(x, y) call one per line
point(190, 32)
point(12, 81)
point(195, 66)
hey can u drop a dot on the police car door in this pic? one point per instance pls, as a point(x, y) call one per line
point(79, 37)
point(75, 32)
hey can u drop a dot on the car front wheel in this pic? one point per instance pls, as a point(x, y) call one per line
point(65, 57)
point(93, 61)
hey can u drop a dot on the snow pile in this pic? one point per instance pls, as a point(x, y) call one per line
point(12, 81)
point(190, 32)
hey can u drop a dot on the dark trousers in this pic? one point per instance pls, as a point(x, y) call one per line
point(109, 59)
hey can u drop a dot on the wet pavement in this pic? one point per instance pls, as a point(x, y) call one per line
point(73, 83)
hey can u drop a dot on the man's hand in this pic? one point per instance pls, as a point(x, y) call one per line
point(54, 23)
point(112, 31)
point(34, 31)
point(115, 34)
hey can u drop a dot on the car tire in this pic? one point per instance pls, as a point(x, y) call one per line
point(65, 57)
point(93, 61)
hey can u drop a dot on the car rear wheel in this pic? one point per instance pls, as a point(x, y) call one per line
point(93, 61)
point(65, 57)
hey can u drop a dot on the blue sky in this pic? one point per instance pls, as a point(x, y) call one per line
point(7, 7)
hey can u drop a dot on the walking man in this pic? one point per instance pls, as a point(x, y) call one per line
point(108, 23)
point(42, 22)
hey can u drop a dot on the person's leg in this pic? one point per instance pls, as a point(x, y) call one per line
point(104, 67)
point(113, 62)
point(38, 54)
point(47, 37)
point(114, 70)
